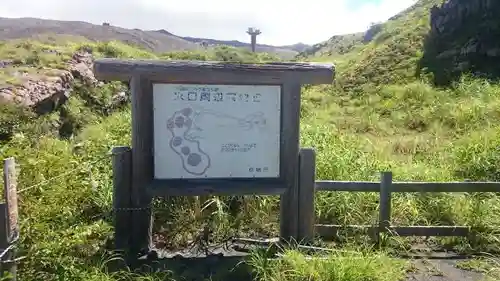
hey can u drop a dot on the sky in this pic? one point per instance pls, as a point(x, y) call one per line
point(280, 21)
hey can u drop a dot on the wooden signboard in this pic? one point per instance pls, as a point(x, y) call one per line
point(214, 128)
point(201, 128)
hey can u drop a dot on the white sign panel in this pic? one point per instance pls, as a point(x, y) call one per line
point(216, 131)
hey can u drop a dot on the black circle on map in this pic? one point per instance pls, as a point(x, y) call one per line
point(185, 150)
point(170, 124)
point(194, 159)
point(179, 121)
point(176, 141)
point(187, 111)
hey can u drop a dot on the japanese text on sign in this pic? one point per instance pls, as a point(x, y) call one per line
point(212, 94)
point(216, 131)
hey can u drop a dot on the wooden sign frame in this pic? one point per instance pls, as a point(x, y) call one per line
point(142, 74)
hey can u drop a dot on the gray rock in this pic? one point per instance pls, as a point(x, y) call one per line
point(44, 93)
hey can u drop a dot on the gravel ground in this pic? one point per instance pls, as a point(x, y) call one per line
point(226, 264)
point(442, 270)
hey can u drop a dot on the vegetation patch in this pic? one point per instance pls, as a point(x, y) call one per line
point(377, 116)
point(346, 266)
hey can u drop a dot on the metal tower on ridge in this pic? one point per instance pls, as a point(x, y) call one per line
point(253, 36)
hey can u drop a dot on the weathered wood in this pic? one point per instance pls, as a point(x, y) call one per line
point(431, 231)
point(10, 195)
point(162, 188)
point(213, 72)
point(324, 185)
point(307, 176)
point(290, 160)
point(4, 238)
point(354, 186)
point(142, 162)
point(446, 187)
point(10, 217)
point(330, 232)
point(385, 201)
point(7, 267)
point(122, 182)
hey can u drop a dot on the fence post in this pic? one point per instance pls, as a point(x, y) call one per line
point(122, 182)
point(306, 210)
point(289, 212)
point(289, 202)
point(385, 203)
point(9, 225)
point(142, 164)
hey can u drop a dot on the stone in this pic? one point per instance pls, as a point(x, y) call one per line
point(463, 38)
point(493, 52)
point(44, 92)
point(81, 65)
point(33, 92)
point(6, 63)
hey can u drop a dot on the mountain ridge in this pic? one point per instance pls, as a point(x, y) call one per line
point(158, 41)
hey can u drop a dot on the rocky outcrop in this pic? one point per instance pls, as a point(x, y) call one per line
point(44, 92)
point(453, 13)
point(372, 32)
point(464, 37)
point(6, 63)
point(34, 93)
point(81, 65)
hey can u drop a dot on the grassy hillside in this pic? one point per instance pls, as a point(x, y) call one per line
point(377, 117)
point(23, 28)
point(336, 45)
point(391, 57)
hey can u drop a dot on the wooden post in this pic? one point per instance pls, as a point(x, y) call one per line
point(307, 178)
point(7, 267)
point(385, 202)
point(142, 163)
point(289, 202)
point(9, 221)
point(122, 181)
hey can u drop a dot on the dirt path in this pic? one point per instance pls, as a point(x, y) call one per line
point(442, 270)
point(227, 265)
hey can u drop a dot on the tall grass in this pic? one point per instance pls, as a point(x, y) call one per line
point(66, 223)
point(417, 131)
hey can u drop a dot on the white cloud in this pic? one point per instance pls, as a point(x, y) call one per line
point(280, 21)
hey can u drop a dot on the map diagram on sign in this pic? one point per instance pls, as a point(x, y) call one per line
point(216, 131)
point(187, 133)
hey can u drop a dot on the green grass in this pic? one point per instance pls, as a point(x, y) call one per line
point(391, 57)
point(345, 266)
point(489, 266)
point(378, 116)
point(66, 222)
point(421, 134)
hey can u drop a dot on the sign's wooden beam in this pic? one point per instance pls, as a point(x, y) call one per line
point(218, 72)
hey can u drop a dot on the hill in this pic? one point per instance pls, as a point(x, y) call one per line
point(392, 56)
point(336, 45)
point(405, 48)
point(32, 28)
point(292, 49)
point(156, 41)
point(381, 114)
